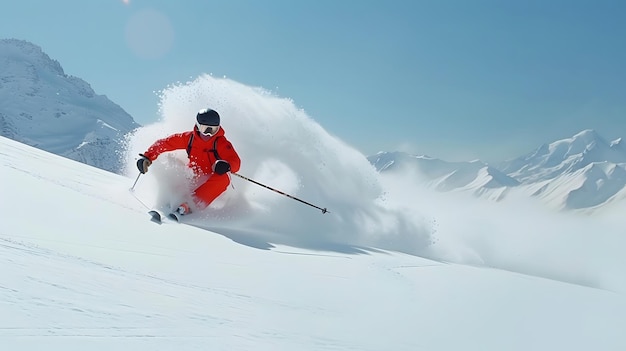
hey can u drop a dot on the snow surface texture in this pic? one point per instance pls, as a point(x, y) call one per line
point(84, 268)
point(43, 107)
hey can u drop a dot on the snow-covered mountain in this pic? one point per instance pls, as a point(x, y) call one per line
point(43, 107)
point(474, 176)
point(549, 161)
point(584, 171)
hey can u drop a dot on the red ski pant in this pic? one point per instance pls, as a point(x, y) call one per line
point(208, 191)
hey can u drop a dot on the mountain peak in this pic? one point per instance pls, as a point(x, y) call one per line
point(77, 123)
point(587, 133)
point(587, 137)
point(564, 156)
point(21, 50)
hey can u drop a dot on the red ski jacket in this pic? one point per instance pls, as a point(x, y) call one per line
point(202, 152)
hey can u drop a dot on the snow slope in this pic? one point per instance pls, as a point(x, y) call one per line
point(84, 268)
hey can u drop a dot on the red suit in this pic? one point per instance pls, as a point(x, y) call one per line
point(203, 151)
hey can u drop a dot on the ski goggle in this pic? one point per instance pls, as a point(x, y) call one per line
point(207, 130)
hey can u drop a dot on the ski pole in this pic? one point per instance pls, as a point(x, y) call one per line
point(135, 183)
point(324, 210)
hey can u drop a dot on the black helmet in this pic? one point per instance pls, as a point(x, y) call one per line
point(208, 117)
point(208, 121)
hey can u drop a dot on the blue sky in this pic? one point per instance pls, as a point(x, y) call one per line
point(456, 80)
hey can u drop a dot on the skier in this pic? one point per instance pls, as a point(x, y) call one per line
point(211, 156)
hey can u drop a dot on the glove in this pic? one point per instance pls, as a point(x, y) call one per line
point(143, 163)
point(221, 167)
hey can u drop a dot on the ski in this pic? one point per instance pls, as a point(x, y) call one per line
point(174, 216)
point(157, 217)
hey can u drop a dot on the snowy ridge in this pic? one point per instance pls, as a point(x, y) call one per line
point(443, 175)
point(581, 172)
point(42, 106)
point(564, 156)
